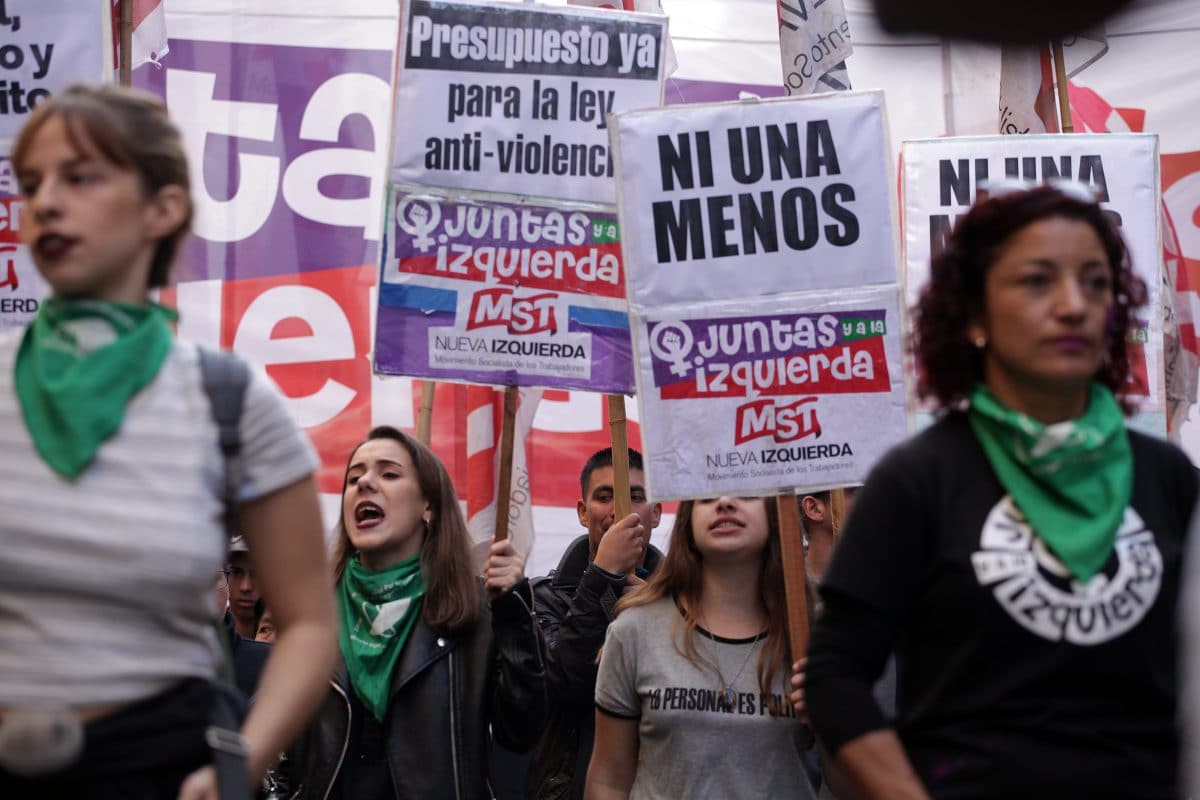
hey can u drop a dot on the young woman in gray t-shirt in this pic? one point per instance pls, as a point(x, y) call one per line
point(691, 698)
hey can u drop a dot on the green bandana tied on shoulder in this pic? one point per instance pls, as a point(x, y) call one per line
point(377, 611)
point(1072, 480)
point(78, 365)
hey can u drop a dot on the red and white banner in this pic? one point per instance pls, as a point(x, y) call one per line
point(149, 32)
point(1027, 90)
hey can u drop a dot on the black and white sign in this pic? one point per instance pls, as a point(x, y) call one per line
point(515, 98)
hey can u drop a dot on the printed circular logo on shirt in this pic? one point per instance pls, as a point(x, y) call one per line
point(1040, 594)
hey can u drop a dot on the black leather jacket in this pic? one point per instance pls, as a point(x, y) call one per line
point(445, 694)
point(574, 606)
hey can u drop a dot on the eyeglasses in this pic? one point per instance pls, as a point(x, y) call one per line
point(238, 574)
point(1081, 192)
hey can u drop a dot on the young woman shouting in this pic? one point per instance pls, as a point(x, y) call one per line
point(432, 665)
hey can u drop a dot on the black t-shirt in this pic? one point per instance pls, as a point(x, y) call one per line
point(1014, 680)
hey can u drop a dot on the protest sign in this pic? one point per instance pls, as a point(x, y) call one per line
point(499, 292)
point(514, 98)
point(44, 45)
point(755, 198)
point(941, 177)
point(751, 396)
point(21, 287)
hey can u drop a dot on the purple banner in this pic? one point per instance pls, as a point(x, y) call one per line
point(288, 151)
point(503, 293)
point(680, 347)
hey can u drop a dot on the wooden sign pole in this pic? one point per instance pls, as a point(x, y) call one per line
point(504, 480)
point(1060, 79)
point(126, 43)
point(425, 413)
point(795, 577)
point(620, 448)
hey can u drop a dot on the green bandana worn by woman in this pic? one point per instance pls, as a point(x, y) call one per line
point(377, 611)
point(78, 365)
point(1072, 480)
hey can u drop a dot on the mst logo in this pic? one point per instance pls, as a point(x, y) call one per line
point(781, 422)
point(8, 268)
point(499, 307)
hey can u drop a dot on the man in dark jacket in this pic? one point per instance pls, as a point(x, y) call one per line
point(574, 605)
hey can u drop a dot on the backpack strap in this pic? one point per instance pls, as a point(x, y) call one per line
point(225, 377)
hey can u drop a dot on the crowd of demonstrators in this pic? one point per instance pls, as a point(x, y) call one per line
point(691, 697)
point(112, 507)
point(1019, 561)
point(575, 604)
point(1022, 555)
point(434, 659)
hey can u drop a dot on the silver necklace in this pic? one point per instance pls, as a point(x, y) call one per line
point(727, 692)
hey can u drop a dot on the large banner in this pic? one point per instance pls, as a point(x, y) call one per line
point(514, 98)
point(44, 45)
point(286, 120)
point(755, 396)
point(941, 177)
point(507, 293)
point(21, 287)
point(755, 198)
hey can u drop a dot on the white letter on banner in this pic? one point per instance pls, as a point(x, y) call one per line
point(337, 98)
point(331, 340)
point(190, 98)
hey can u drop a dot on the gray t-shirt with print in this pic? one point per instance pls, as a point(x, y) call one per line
point(691, 742)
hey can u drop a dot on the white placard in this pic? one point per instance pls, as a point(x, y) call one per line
point(940, 177)
point(44, 45)
point(753, 396)
point(514, 98)
point(756, 198)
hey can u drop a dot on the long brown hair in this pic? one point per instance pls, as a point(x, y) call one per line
point(680, 576)
point(132, 131)
point(452, 592)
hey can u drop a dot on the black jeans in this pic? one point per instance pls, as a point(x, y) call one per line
point(142, 753)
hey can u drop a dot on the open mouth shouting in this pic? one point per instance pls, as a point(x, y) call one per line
point(367, 515)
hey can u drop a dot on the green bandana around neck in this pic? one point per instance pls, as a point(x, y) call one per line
point(377, 611)
point(78, 365)
point(1072, 480)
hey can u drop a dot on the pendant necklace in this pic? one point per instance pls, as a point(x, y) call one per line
point(727, 692)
